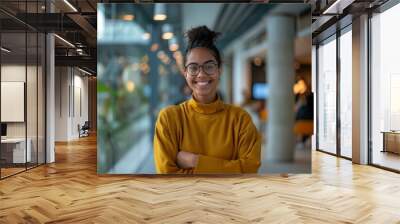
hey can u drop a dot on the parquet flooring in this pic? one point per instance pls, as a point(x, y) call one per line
point(70, 191)
point(10, 171)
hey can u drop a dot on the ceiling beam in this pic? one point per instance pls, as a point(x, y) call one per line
point(86, 26)
point(81, 61)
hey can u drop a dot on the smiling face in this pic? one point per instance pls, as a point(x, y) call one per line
point(204, 84)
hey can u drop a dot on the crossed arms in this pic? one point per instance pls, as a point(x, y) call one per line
point(169, 159)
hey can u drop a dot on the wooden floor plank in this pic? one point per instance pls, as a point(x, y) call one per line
point(70, 191)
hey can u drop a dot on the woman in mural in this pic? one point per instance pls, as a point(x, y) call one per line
point(203, 134)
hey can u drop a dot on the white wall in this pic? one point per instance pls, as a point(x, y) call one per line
point(61, 103)
point(79, 117)
point(71, 93)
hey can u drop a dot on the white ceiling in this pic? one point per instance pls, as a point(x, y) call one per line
point(195, 14)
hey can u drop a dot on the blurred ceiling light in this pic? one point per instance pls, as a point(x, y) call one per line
point(130, 86)
point(5, 50)
point(79, 50)
point(128, 17)
point(173, 47)
point(70, 5)
point(257, 61)
point(65, 41)
point(160, 12)
point(84, 71)
point(43, 7)
point(154, 47)
point(173, 44)
point(167, 35)
point(167, 32)
point(146, 36)
point(300, 87)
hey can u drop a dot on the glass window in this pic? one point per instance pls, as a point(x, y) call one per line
point(14, 148)
point(346, 93)
point(385, 84)
point(41, 99)
point(22, 92)
point(31, 99)
point(125, 138)
point(327, 96)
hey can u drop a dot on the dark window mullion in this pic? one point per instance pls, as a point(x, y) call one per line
point(317, 96)
point(26, 86)
point(338, 91)
point(37, 90)
point(369, 86)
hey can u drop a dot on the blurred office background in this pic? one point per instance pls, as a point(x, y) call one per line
point(266, 50)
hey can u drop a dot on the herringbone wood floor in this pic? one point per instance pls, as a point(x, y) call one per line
point(70, 191)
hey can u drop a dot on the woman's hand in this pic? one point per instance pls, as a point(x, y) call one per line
point(187, 159)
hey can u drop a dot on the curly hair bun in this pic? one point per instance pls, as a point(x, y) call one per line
point(201, 37)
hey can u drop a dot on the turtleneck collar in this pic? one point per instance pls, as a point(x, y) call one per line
point(208, 108)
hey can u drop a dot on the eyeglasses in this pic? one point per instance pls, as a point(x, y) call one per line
point(210, 68)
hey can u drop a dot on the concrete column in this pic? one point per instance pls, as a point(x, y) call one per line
point(239, 74)
point(360, 90)
point(280, 76)
point(50, 99)
point(50, 93)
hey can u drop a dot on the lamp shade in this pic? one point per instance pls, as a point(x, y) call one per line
point(167, 32)
point(173, 44)
point(160, 12)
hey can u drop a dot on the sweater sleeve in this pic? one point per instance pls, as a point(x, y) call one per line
point(166, 147)
point(249, 154)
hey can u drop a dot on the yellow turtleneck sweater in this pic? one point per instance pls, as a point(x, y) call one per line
point(223, 136)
